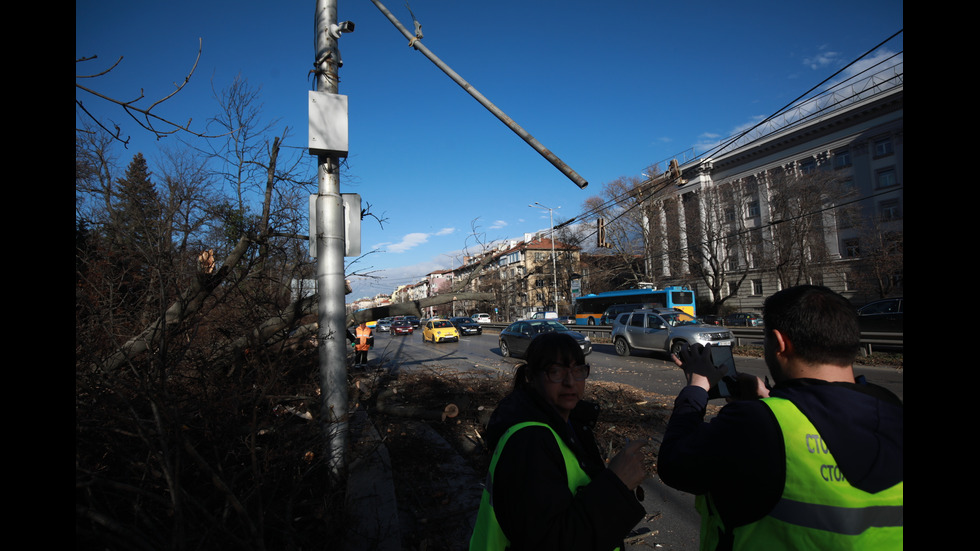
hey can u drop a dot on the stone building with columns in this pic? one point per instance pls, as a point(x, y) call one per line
point(819, 200)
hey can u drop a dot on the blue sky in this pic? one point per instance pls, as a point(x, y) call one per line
point(610, 87)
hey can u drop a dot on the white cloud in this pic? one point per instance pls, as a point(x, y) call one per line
point(823, 59)
point(408, 242)
point(412, 240)
point(497, 224)
point(880, 61)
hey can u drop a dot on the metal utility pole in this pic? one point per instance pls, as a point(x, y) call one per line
point(554, 262)
point(414, 40)
point(330, 249)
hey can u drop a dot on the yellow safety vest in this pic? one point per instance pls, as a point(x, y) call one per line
point(818, 509)
point(487, 534)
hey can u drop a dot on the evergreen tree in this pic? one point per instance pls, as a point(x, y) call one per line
point(137, 248)
point(136, 211)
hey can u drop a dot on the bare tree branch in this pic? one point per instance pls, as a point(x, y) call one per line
point(144, 117)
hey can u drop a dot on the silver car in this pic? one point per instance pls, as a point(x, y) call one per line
point(663, 329)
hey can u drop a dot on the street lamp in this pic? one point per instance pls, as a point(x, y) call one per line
point(554, 262)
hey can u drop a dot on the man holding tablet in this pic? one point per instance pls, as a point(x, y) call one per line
point(814, 463)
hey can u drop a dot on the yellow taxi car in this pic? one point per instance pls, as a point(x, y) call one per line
point(439, 330)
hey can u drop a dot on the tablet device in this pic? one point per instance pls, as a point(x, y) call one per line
point(721, 356)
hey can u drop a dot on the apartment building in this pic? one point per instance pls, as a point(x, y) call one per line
point(819, 200)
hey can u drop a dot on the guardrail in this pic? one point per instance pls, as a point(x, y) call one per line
point(749, 336)
point(868, 339)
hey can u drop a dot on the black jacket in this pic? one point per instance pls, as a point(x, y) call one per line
point(531, 499)
point(739, 457)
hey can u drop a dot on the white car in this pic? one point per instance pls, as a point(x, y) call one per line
point(544, 316)
point(664, 329)
point(481, 318)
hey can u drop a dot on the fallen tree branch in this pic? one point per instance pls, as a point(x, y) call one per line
point(411, 308)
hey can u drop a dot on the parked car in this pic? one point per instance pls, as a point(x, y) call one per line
point(402, 327)
point(744, 319)
point(466, 326)
point(663, 329)
point(481, 318)
point(544, 316)
point(384, 324)
point(614, 311)
point(712, 319)
point(883, 316)
point(439, 331)
point(517, 336)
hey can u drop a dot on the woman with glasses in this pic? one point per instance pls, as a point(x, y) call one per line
point(548, 485)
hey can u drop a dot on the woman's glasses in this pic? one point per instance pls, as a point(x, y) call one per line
point(557, 373)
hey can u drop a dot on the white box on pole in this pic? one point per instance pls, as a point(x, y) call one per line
point(328, 124)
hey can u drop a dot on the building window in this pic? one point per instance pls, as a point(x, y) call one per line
point(852, 248)
point(732, 289)
point(753, 209)
point(733, 262)
point(842, 159)
point(883, 147)
point(756, 286)
point(808, 166)
point(729, 214)
point(886, 178)
point(845, 218)
point(889, 209)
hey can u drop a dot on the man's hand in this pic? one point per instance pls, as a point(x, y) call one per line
point(628, 464)
point(748, 387)
point(698, 367)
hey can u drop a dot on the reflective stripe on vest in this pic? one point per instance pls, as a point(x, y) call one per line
point(818, 509)
point(487, 534)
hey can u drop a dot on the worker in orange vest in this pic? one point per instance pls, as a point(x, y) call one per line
point(362, 343)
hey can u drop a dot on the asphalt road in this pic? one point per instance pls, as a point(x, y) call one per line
point(671, 522)
point(647, 371)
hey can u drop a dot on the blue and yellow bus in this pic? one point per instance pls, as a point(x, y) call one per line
point(602, 308)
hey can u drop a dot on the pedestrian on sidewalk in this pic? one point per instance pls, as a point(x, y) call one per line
point(548, 485)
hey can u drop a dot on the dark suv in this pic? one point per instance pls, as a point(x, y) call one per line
point(884, 316)
point(743, 319)
point(614, 311)
point(664, 329)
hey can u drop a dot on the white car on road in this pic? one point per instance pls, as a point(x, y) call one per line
point(664, 329)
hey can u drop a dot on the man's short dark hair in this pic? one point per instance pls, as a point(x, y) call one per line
point(821, 324)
